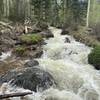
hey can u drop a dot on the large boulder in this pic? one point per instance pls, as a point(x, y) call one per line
point(36, 53)
point(31, 63)
point(30, 78)
point(67, 40)
point(65, 32)
point(46, 34)
point(0, 51)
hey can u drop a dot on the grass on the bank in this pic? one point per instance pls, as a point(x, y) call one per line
point(20, 50)
point(31, 38)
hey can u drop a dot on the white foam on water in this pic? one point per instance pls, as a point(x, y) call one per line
point(5, 55)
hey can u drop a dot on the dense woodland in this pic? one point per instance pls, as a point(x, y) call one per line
point(53, 12)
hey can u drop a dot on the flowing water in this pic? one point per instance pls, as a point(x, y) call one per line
point(67, 63)
point(5, 55)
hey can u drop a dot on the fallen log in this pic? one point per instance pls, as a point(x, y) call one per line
point(4, 96)
point(6, 25)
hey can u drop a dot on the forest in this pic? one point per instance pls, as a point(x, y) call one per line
point(49, 49)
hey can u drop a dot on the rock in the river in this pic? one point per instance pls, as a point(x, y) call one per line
point(0, 51)
point(64, 32)
point(46, 34)
point(35, 53)
point(67, 40)
point(31, 63)
point(29, 78)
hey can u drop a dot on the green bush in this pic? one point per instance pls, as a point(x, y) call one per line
point(31, 38)
point(20, 50)
point(94, 57)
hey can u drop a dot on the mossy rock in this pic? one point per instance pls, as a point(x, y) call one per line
point(31, 78)
point(31, 38)
point(94, 57)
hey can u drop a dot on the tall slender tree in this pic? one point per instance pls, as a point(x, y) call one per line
point(88, 10)
point(37, 9)
point(1, 8)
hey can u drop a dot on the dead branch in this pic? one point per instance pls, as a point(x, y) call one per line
point(3, 96)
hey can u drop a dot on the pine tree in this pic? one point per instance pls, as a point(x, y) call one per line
point(37, 9)
point(55, 13)
point(47, 10)
point(17, 10)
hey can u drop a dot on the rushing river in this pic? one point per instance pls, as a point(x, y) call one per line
point(67, 63)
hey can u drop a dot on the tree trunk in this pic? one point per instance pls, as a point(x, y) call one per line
point(88, 11)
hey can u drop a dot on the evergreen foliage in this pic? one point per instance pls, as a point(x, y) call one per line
point(94, 57)
point(62, 13)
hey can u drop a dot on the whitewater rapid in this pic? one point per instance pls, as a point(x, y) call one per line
point(68, 64)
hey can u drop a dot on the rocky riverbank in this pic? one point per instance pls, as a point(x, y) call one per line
point(61, 73)
point(84, 35)
point(22, 45)
point(29, 76)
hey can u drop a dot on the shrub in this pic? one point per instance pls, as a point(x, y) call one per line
point(20, 50)
point(31, 38)
point(94, 57)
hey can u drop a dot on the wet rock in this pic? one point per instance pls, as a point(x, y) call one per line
point(64, 32)
point(0, 53)
point(18, 43)
point(35, 53)
point(29, 78)
point(36, 30)
point(43, 43)
point(31, 63)
point(46, 34)
point(67, 40)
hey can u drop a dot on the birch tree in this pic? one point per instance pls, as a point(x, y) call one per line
point(88, 11)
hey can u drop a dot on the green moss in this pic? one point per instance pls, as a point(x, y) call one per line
point(31, 38)
point(20, 50)
point(94, 57)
